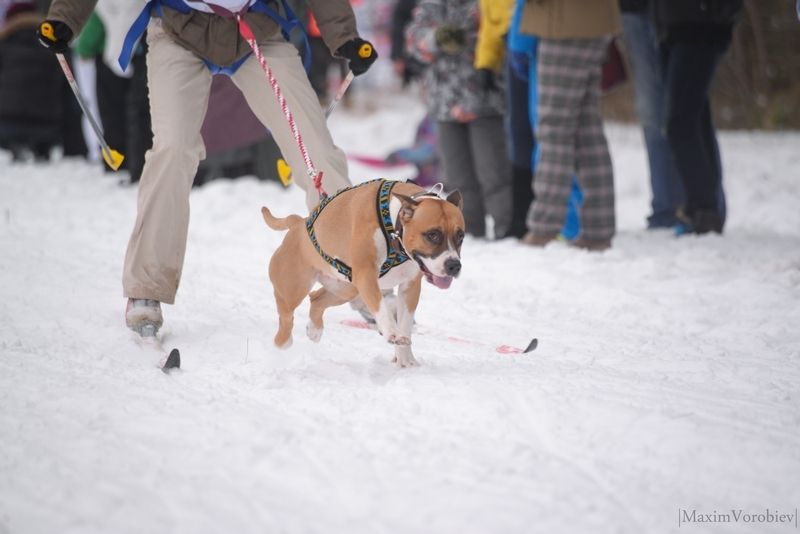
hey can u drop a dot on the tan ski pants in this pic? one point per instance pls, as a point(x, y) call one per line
point(179, 84)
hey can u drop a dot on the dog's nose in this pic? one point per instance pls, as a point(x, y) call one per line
point(452, 266)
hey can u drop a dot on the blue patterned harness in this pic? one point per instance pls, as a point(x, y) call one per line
point(395, 255)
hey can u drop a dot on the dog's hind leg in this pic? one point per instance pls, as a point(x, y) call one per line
point(322, 299)
point(286, 307)
point(291, 287)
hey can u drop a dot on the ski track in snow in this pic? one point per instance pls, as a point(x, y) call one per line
point(666, 375)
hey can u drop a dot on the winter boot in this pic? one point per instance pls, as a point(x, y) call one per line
point(521, 200)
point(537, 240)
point(143, 316)
point(700, 222)
point(592, 245)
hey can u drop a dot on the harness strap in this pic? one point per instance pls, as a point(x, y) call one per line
point(287, 25)
point(395, 253)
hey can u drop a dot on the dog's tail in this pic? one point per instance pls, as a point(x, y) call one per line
point(280, 224)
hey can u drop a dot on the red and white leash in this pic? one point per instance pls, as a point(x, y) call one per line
point(314, 175)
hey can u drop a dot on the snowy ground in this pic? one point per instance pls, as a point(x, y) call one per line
point(667, 376)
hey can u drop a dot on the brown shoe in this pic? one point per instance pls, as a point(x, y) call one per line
point(592, 245)
point(537, 240)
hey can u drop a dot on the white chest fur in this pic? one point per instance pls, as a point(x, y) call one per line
point(396, 275)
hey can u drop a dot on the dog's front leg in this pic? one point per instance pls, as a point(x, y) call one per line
point(366, 281)
point(407, 300)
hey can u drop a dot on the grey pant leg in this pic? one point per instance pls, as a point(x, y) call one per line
point(487, 137)
point(459, 173)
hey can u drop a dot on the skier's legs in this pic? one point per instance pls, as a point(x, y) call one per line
point(179, 85)
point(283, 59)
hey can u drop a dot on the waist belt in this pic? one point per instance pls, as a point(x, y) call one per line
point(287, 25)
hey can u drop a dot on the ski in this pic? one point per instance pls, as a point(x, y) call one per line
point(500, 349)
point(173, 361)
point(147, 337)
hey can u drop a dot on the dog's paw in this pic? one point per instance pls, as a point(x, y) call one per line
point(283, 343)
point(405, 360)
point(313, 333)
point(398, 340)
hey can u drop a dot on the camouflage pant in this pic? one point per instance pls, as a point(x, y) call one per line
point(571, 141)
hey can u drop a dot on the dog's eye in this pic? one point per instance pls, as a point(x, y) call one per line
point(434, 236)
point(459, 238)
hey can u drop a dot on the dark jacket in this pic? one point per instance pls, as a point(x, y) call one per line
point(695, 20)
point(633, 6)
point(30, 78)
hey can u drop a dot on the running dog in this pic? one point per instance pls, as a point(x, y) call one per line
point(367, 238)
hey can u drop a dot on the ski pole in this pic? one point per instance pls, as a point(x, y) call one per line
point(111, 157)
point(340, 92)
point(284, 170)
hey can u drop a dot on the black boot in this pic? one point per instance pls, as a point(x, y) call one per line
point(700, 222)
point(522, 197)
point(706, 221)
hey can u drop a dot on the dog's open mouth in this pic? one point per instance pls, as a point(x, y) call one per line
point(442, 282)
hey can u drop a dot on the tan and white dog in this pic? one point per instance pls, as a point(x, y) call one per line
point(365, 239)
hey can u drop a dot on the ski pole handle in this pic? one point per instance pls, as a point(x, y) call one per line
point(365, 51)
point(47, 31)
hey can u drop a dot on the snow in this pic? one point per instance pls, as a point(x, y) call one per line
point(667, 375)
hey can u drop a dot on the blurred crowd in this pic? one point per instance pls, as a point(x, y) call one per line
point(512, 89)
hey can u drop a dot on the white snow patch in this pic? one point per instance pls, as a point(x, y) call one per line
point(667, 374)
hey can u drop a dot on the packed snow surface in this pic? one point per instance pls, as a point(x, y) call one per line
point(667, 376)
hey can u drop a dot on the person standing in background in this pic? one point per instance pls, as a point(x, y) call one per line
point(493, 53)
point(521, 96)
point(404, 65)
point(31, 87)
point(468, 107)
point(573, 39)
point(693, 37)
point(641, 43)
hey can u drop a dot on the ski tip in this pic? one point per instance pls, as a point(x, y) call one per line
point(173, 361)
point(532, 345)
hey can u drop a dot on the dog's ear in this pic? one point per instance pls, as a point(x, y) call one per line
point(408, 206)
point(456, 199)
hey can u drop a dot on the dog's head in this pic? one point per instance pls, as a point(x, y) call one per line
point(432, 233)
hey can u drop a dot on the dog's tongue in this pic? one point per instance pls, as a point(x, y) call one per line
point(442, 282)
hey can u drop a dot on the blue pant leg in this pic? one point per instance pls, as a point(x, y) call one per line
point(665, 182)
